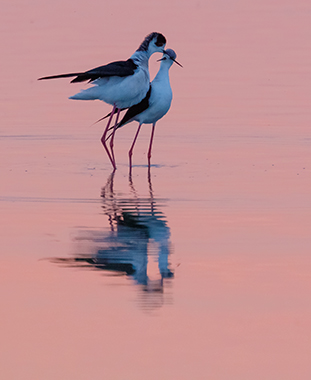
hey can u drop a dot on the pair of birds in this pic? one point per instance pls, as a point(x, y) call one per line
point(126, 85)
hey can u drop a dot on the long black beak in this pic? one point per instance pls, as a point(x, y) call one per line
point(177, 62)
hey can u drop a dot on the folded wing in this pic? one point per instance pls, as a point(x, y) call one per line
point(118, 68)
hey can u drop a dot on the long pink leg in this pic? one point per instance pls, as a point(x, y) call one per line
point(103, 139)
point(132, 147)
point(150, 145)
point(112, 137)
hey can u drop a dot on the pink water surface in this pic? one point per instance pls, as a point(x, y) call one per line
point(228, 201)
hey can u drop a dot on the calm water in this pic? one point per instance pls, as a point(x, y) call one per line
point(201, 271)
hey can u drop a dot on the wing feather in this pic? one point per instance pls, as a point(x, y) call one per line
point(136, 109)
point(118, 68)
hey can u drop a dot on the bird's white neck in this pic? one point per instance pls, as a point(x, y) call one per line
point(141, 58)
point(162, 74)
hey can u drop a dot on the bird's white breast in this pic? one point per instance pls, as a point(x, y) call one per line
point(159, 103)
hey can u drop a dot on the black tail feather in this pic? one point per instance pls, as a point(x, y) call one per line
point(109, 114)
point(60, 76)
point(103, 118)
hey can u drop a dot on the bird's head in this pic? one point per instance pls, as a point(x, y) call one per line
point(169, 57)
point(154, 42)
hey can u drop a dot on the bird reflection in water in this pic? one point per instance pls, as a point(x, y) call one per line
point(136, 245)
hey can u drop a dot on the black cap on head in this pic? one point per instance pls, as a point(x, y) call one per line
point(160, 41)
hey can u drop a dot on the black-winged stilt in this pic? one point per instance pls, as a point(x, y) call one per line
point(154, 106)
point(121, 84)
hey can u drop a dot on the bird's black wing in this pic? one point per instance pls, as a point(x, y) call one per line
point(136, 109)
point(118, 68)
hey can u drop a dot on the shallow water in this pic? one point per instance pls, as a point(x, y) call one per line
point(201, 271)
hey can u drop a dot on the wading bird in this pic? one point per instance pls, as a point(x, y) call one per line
point(154, 106)
point(121, 84)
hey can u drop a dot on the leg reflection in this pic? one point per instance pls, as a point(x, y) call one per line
point(137, 243)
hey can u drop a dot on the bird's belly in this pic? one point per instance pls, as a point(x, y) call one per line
point(123, 91)
point(155, 112)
